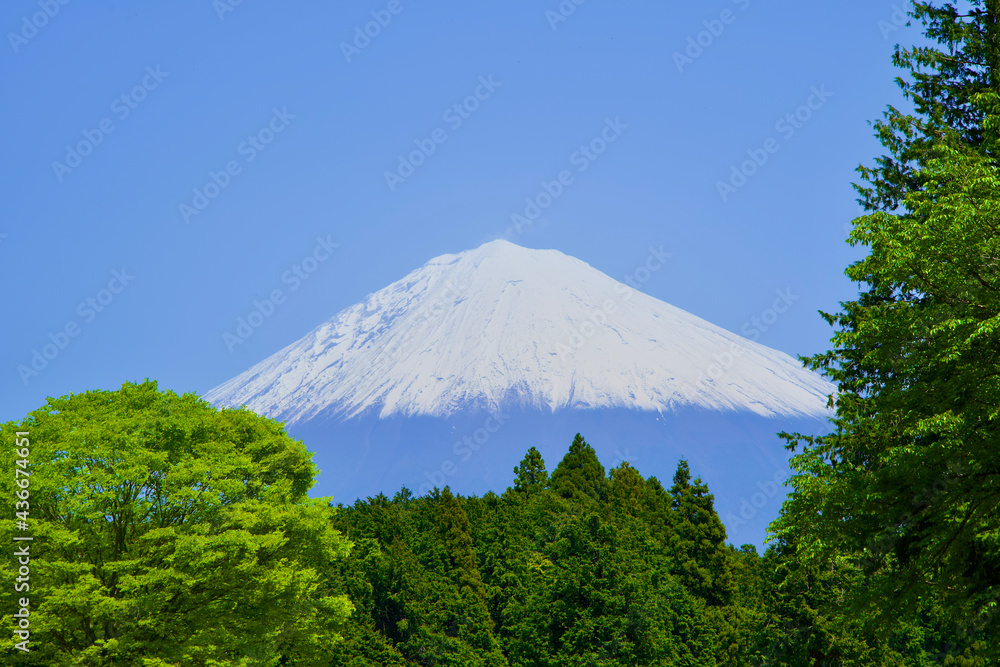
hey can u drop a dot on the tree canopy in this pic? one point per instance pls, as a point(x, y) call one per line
point(906, 489)
point(167, 532)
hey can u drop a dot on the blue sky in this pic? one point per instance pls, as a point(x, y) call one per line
point(168, 164)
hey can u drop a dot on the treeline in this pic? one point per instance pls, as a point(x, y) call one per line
point(164, 532)
point(587, 568)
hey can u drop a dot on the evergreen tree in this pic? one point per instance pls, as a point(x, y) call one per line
point(946, 87)
point(531, 476)
point(602, 597)
point(470, 619)
point(580, 475)
point(627, 490)
point(458, 544)
point(698, 541)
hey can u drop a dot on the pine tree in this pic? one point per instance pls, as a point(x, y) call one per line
point(458, 544)
point(580, 475)
point(469, 619)
point(531, 476)
point(699, 537)
point(627, 490)
point(944, 86)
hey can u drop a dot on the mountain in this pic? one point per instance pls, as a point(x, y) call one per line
point(536, 339)
point(504, 326)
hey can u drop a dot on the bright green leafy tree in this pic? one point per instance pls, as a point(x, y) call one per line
point(167, 532)
point(908, 485)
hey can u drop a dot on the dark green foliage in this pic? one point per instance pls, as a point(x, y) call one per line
point(579, 576)
point(458, 544)
point(612, 571)
point(698, 540)
point(641, 578)
point(580, 475)
point(627, 490)
point(531, 476)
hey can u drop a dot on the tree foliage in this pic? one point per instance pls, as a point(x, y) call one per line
point(169, 533)
point(905, 493)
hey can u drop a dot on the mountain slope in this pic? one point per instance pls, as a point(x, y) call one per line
point(503, 326)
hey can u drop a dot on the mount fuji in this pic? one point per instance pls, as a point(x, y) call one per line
point(450, 374)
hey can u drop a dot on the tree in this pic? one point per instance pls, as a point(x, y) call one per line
point(580, 475)
point(167, 532)
point(907, 484)
point(627, 490)
point(699, 538)
point(531, 476)
point(459, 545)
point(943, 87)
point(601, 595)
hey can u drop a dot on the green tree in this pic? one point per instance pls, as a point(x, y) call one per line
point(167, 532)
point(459, 545)
point(906, 486)
point(943, 86)
point(698, 540)
point(531, 476)
point(601, 595)
point(627, 490)
point(580, 475)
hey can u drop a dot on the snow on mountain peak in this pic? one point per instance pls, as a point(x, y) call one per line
point(505, 326)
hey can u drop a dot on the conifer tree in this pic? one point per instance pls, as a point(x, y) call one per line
point(531, 476)
point(469, 616)
point(458, 543)
point(580, 475)
point(698, 541)
point(627, 489)
point(946, 84)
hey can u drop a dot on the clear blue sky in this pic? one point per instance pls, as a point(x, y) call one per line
point(198, 82)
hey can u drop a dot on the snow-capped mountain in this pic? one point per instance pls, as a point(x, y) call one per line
point(448, 375)
point(502, 326)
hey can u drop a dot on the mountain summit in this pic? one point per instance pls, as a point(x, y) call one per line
point(503, 326)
